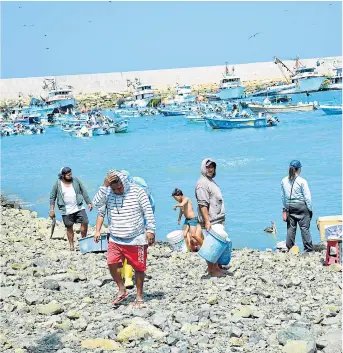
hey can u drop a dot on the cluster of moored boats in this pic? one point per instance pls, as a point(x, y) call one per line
point(219, 110)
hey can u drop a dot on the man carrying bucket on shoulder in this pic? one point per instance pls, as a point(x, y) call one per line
point(128, 208)
point(211, 205)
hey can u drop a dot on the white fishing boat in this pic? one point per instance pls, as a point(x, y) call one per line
point(183, 94)
point(279, 108)
point(303, 79)
point(335, 82)
point(194, 117)
point(143, 95)
point(230, 86)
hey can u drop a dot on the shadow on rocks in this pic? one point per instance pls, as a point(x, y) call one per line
point(48, 343)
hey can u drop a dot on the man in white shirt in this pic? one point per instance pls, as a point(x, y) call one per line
point(70, 194)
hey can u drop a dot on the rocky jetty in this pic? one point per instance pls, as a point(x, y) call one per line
point(54, 300)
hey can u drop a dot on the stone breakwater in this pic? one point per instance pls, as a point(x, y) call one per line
point(54, 300)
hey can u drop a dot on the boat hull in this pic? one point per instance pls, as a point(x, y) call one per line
point(238, 123)
point(231, 93)
point(171, 112)
point(280, 108)
point(331, 110)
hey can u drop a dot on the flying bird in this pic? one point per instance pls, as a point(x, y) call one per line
point(28, 25)
point(47, 48)
point(254, 35)
point(89, 21)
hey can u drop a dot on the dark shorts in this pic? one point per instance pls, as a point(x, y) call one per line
point(77, 217)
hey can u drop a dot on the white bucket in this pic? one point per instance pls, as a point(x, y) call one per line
point(177, 241)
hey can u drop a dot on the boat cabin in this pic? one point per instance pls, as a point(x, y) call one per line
point(184, 90)
point(143, 92)
point(230, 81)
point(59, 94)
point(338, 76)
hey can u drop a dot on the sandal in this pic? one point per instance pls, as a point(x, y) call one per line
point(139, 303)
point(120, 298)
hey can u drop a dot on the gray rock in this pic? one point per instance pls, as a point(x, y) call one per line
point(331, 342)
point(236, 332)
point(295, 333)
point(331, 321)
point(51, 284)
point(159, 320)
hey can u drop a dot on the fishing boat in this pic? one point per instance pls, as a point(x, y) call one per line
point(230, 86)
point(184, 94)
point(216, 121)
point(143, 95)
point(335, 82)
point(194, 118)
point(101, 130)
point(279, 108)
point(331, 109)
point(303, 79)
point(120, 125)
point(172, 111)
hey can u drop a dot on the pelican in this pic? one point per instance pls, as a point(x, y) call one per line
point(271, 229)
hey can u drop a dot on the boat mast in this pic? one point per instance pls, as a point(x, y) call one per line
point(281, 66)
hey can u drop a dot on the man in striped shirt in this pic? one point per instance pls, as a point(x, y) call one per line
point(127, 206)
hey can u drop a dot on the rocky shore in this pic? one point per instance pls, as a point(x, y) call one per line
point(54, 300)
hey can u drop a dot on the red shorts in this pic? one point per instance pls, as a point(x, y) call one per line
point(134, 254)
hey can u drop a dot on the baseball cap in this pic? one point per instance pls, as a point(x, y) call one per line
point(294, 163)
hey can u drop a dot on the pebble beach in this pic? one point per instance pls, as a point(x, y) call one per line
point(54, 300)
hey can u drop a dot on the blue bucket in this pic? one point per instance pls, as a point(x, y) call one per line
point(213, 246)
point(225, 257)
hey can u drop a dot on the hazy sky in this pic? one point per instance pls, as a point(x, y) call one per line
point(110, 36)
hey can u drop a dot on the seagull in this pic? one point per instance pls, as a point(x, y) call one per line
point(271, 229)
point(254, 35)
point(28, 25)
point(47, 48)
point(89, 21)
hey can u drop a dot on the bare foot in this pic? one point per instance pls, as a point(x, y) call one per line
point(217, 273)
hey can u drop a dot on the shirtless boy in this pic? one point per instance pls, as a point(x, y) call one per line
point(191, 229)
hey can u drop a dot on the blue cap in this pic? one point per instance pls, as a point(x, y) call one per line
point(295, 164)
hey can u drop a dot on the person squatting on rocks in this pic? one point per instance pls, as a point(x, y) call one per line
point(210, 204)
point(297, 206)
point(127, 206)
point(70, 194)
point(191, 228)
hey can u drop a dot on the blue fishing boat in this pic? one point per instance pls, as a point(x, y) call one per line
point(220, 122)
point(331, 109)
point(171, 112)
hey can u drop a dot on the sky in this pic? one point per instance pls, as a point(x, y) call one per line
point(65, 38)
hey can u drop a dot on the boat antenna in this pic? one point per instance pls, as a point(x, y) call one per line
point(226, 68)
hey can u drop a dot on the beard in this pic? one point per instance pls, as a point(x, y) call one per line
point(67, 179)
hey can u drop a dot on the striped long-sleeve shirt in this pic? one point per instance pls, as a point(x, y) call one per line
point(126, 213)
point(300, 193)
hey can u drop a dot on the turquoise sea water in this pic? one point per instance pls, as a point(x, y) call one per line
point(167, 153)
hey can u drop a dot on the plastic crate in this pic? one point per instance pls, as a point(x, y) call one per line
point(88, 244)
